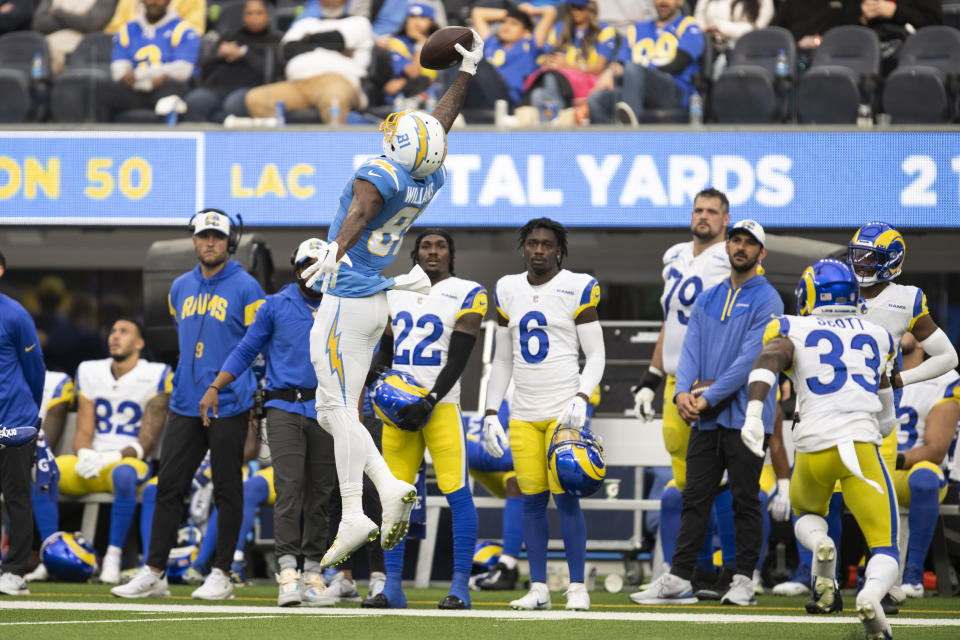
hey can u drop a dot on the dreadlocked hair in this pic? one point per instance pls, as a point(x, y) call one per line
point(546, 223)
point(433, 231)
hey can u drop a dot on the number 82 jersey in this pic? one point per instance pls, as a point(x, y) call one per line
point(546, 349)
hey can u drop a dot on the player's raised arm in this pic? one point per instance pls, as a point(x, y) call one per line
point(449, 105)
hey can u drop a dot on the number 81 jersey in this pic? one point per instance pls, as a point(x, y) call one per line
point(119, 403)
point(546, 349)
point(836, 369)
point(422, 326)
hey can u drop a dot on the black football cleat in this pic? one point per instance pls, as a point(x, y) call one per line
point(452, 602)
point(378, 601)
point(890, 606)
point(826, 597)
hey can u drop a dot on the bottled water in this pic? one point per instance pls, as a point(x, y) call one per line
point(783, 68)
point(696, 110)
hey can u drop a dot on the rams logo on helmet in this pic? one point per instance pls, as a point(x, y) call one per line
point(876, 253)
point(68, 557)
point(415, 140)
point(393, 391)
point(575, 461)
point(183, 555)
point(828, 287)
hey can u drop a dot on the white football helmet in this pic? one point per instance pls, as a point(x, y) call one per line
point(416, 140)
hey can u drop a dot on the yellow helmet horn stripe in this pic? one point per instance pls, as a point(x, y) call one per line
point(808, 277)
point(81, 553)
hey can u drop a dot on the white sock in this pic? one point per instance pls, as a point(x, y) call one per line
point(237, 556)
point(881, 573)
point(113, 553)
point(811, 530)
point(508, 561)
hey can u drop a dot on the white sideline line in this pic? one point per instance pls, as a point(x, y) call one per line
point(11, 624)
point(470, 613)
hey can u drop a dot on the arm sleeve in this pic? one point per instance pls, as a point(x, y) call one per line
point(943, 357)
point(735, 376)
point(31, 357)
point(689, 364)
point(93, 20)
point(591, 341)
point(501, 370)
point(461, 344)
point(253, 342)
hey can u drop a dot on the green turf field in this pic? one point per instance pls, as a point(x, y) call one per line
point(75, 611)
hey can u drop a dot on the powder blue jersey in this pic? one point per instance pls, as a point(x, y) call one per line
point(404, 199)
point(174, 40)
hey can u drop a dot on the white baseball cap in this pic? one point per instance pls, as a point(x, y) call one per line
point(211, 220)
point(307, 249)
point(753, 228)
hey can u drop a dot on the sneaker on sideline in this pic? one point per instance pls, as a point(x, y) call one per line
point(39, 574)
point(288, 593)
point(110, 570)
point(798, 584)
point(315, 592)
point(145, 584)
point(13, 585)
point(667, 589)
point(741, 592)
point(343, 589)
point(217, 586)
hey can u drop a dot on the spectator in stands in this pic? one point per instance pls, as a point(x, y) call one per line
point(193, 12)
point(539, 11)
point(409, 78)
point(724, 21)
point(807, 20)
point(140, 76)
point(576, 53)
point(512, 51)
point(386, 21)
point(657, 62)
point(326, 59)
point(66, 22)
point(235, 63)
point(622, 14)
point(894, 21)
point(15, 15)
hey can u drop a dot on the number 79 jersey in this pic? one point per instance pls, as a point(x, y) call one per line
point(119, 403)
point(546, 349)
point(422, 326)
point(836, 369)
point(404, 199)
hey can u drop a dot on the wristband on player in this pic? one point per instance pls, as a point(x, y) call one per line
point(136, 446)
point(901, 461)
point(213, 386)
point(651, 379)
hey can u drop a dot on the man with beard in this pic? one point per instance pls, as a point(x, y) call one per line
point(724, 337)
point(212, 305)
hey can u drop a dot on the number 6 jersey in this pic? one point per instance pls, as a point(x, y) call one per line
point(422, 326)
point(119, 403)
point(546, 349)
point(836, 369)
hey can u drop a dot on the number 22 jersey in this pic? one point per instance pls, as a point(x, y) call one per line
point(119, 403)
point(546, 349)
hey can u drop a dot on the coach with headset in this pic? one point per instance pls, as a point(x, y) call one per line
point(212, 305)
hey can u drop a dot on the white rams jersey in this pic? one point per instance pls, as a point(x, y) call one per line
point(118, 403)
point(57, 388)
point(422, 326)
point(897, 308)
point(916, 402)
point(684, 278)
point(836, 370)
point(546, 349)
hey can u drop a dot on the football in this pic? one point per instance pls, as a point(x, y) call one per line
point(438, 51)
point(16, 436)
point(700, 387)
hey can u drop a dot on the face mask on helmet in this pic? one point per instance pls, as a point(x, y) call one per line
point(876, 253)
point(393, 391)
point(415, 140)
point(575, 461)
point(68, 557)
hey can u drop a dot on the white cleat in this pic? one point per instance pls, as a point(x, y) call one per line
point(791, 589)
point(289, 594)
point(667, 589)
point(13, 585)
point(40, 574)
point(740, 593)
point(351, 535)
point(378, 580)
point(110, 570)
point(871, 615)
point(217, 586)
point(315, 591)
point(577, 597)
point(397, 505)
point(538, 598)
point(343, 590)
point(146, 584)
point(905, 591)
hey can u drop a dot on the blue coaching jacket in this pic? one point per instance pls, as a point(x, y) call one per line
point(211, 317)
point(724, 337)
point(281, 333)
point(21, 366)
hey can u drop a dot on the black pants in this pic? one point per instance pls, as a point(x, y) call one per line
point(304, 477)
point(15, 464)
point(708, 454)
point(371, 503)
point(114, 97)
point(185, 442)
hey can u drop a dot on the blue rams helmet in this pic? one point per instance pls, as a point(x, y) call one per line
point(183, 555)
point(575, 461)
point(68, 556)
point(393, 391)
point(828, 287)
point(486, 554)
point(876, 253)
point(415, 140)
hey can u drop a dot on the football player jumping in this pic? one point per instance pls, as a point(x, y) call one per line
point(546, 315)
point(384, 197)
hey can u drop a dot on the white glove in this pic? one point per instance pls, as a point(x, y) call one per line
point(643, 404)
point(416, 281)
point(326, 265)
point(90, 462)
point(779, 506)
point(752, 431)
point(472, 58)
point(494, 437)
point(575, 413)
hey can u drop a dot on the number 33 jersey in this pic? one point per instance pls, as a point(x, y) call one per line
point(685, 277)
point(836, 369)
point(546, 349)
point(422, 326)
point(119, 403)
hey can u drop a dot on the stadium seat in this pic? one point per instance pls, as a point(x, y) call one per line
point(843, 76)
point(17, 51)
point(951, 13)
point(748, 90)
point(924, 87)
point(701, 81)
point(71, 99)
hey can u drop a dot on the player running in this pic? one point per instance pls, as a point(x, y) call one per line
point(385, 196)
point(546, 315)
point(836, 361)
